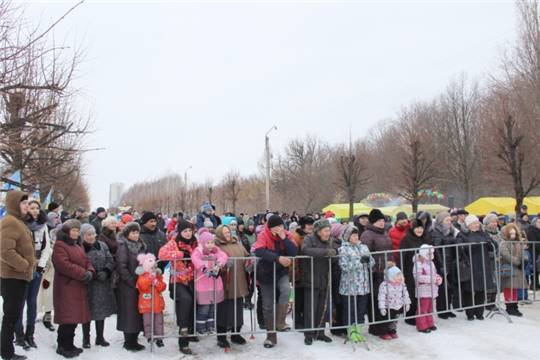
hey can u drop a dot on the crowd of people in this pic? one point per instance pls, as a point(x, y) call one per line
point(78, 269)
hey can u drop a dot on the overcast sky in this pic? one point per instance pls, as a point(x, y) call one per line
point(178, 84)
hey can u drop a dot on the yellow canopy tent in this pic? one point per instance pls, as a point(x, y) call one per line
point(502, 205)
point(533, 204)
point(407, 209)
point(342, 210)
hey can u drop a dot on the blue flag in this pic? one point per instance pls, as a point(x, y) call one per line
point(16, 178)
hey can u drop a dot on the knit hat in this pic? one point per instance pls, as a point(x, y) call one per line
point(347, 231)
point(462, 212)
point(375, 215)
point(489, 218)
point(274, 221)
point(208, 223)
point(392, 272)
point(441, 216)
point(426, 251)
point(52, 219)
point(182, 225)
point(87, 228)
point(401, 216)
point(470, 219)
point(206, 207)
point(361, 215)
point(321, 224)
point(100, 210)
point(416, 223)
point(108, 220)
point(126, 218)
point(132, 226)
point(71, 224)
point(336, 230)
point(205, 237)
point(147, 216)
point(53, 206)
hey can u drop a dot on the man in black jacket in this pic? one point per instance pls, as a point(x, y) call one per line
point(152, 236)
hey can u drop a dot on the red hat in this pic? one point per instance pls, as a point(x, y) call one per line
point(126, 218)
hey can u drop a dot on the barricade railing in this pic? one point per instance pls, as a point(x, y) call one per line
point(467, 269)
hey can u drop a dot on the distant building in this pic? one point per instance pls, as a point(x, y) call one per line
point(115, 194)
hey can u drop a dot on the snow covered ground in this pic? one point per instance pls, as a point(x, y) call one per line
point(456, 338)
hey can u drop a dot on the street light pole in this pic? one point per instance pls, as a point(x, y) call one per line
point(267, 151)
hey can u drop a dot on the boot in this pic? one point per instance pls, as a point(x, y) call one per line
point(183, 344)
point(14, 357)
point(86, 336)
point(100, 340)
point(222, 341)
point(21, 341)
point(271, 336)
point(512, 310)
point(47, 321)
point(238, 339)
point(131, 343)
point(281, 315)
point(29, 337)
point(322, 337)
point(68, 354)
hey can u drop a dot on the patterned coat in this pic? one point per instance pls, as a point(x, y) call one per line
point(354, 274)
point(100, 293)
point(393, 296)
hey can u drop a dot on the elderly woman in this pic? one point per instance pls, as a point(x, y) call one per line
point(73, 272)
point(513, 259)
point(230, 312)
point(100, 292)
point(108, 233)
point(477, 275)
point(129, 320)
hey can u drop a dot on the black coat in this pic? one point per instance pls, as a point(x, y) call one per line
point(313, 246)
point(478, 255)
point(444, 255)
point(154, 240)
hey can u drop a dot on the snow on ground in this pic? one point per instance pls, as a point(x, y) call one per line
point(456, 338)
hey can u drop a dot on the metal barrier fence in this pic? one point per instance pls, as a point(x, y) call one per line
point(471, 275)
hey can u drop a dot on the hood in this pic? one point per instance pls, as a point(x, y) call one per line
point(13, 199)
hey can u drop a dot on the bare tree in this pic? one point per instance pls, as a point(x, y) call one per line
point(231, 187)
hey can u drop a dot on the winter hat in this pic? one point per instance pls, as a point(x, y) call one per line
point(206, 207)
point(100, 210)
point(462, 212)
point(126, 218)
point(80, 209)
point(239, 221)
point(470, 219)
point(362, 215)
point(53, 206)
point(489, 218)
point(52, 219)
point(401, 216)
point(347, 231)
point(392, 273)
point(293, 226)
point(108, 220)
point(182, 225)
point(131, 226)
point(336, 230)
point(71, 224)
point(147, 216)
point(87, 228)
point(321, 224)
point(250, 222)
point(275, 220)
point(416, 223)
point(208, 223)
point(441, 216)
point(426, 251)
point(205, 237)
point(305, 220)
point(375, 215)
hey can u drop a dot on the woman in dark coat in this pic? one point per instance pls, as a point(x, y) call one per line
point(108, 233)
point(129, 320)
point(479, 274)
point(416, 236)
point(72, 273)
point(376, 239)
point(100, 291)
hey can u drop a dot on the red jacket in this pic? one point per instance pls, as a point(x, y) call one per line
point(147, 294)
point(397, 234)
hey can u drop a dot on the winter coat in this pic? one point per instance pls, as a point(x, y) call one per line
point(397, 233)
point(426, 279)
point(269, 248)
point(409, 246)
point(533, 238)
point(128, 319)
point(149, 294)
point(478, 257)
point(323, 253)
point(299, 264)
point(355, 275)
point(45, 294)
point(377, 240)
point(100, 293)
point(109, 238)
point(512, 253)
point(393, 296)
point(202, 216)
point(444, 257)
point(236, 269)
point(17, 253)
point(181, 270)
point(42, 240)
point(209, 289)
point(96, 222)
point(153, 240)
point(70, 293)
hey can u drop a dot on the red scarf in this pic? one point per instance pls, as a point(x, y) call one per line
point(267, 240)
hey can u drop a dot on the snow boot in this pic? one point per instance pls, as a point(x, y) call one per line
point(271, 336)
point(100, 328)
point(29, 336)
point(238, 339)
point(281, 315)
point(21, 341)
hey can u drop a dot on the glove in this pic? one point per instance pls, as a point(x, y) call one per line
point(207, 272)
point(438, 280)
point(364, 259)
point(383, 312)
point(155, 282)
point(229, 264)
point(215, 273)
point(40, 270)
point(331, 253)
point(46, 284)
point(102, 275)
point(87, 277)
point(407, 308)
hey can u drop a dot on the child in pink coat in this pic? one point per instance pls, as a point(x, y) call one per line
point(207, 259)
point(427, 287)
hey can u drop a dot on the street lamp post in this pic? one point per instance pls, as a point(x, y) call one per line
point(267, 151)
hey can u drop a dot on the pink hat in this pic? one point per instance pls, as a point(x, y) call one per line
point(204, 238)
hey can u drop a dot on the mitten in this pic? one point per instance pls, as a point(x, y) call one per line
point(383, 312)
point(40, 270)
point(407, 308)
point(438, 280)
point(331, 253)
point(364, 259)
point(102, 275)
point(87, 277)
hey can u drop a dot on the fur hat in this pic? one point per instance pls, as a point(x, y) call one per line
point(471, 219)
point(375, 215)
point(87, 228)
point(305, 220)
point(71, 224)
point(489, 218)
point(53, 206)
point(147, 216)
point(321, 224)
point(132, 226)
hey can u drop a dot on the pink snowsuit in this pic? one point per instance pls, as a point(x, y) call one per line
point(204, 285)
point(427, 289)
